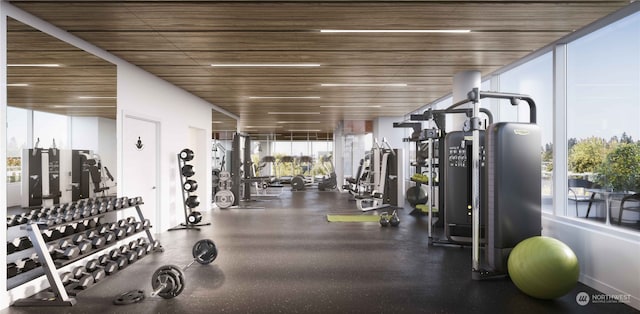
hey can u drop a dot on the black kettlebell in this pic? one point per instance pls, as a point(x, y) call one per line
point(384, 219)
point(394, 221)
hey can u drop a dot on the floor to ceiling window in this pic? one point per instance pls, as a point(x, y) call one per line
point(603, 129)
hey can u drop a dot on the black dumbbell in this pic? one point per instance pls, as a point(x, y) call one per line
point(129, 229)
point(28, 263)
point(67, 230)
point(102, 229)
point(114, 255)
point(85, 244)
point(141, 251)
point(80, 227)
point(132, 201)
point(121, 223)
point(63, 250)
point(52, 235)
point(109, 237)
point(137, 226)
point(91, 233)
point(133, 245)
point(12, 270)
point(71, 283)
point(102, 208)
point(80, 271)
point(120, 233)
point(131, 256)
point(146, 224)
point(12, 220)
point(96, 242)
point(22, 243)
point(78, 238)
point(109, 267)
point(90, 224)
point(10, 248)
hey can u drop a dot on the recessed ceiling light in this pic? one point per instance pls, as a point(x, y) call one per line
point(265, 65)
point(364, 84)
point(46, 65)
point(292, 112)
point(364, 106)
point(18, 85)
point(395, 31)
point(81, 106)
point(97, 97)
point(284, 97)
point(216, 122)
point(298, 122)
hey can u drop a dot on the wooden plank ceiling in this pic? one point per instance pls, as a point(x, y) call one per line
point(179, 40)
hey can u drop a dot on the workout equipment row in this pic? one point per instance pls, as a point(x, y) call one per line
point(77, 246)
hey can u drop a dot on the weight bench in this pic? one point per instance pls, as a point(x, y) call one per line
point(375, 200)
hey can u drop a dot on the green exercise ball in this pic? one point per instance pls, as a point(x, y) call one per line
point(543, 267)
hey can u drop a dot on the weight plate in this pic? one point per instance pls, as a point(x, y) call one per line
point(224, 176)
point(224, 198)
point(194, 217)
point(190, 186)
point(170, 275)
point(129, 297)
point(205, 251)
point(186, 154)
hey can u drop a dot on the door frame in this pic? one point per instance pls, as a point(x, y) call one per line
point(127, 114)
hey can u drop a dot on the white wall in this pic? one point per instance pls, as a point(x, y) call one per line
point(84, 133)
point(608, 256)
point(383, 127)
point(107, 147)
point(144, 95)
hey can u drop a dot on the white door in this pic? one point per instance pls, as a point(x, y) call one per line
point(140, 165)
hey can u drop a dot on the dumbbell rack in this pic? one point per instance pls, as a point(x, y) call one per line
point(49, 266)
point(185, 194)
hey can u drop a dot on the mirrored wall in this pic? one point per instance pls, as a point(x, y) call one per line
point(61, 117)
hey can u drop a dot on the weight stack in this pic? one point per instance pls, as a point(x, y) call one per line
point(513, 202)
point(457, 168)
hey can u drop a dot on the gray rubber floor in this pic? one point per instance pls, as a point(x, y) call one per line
point(280, 255)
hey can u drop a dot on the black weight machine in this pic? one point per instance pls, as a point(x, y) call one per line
point(41, 176)
point(499, 183)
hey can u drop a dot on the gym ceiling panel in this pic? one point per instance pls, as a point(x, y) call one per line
point(179, 40)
